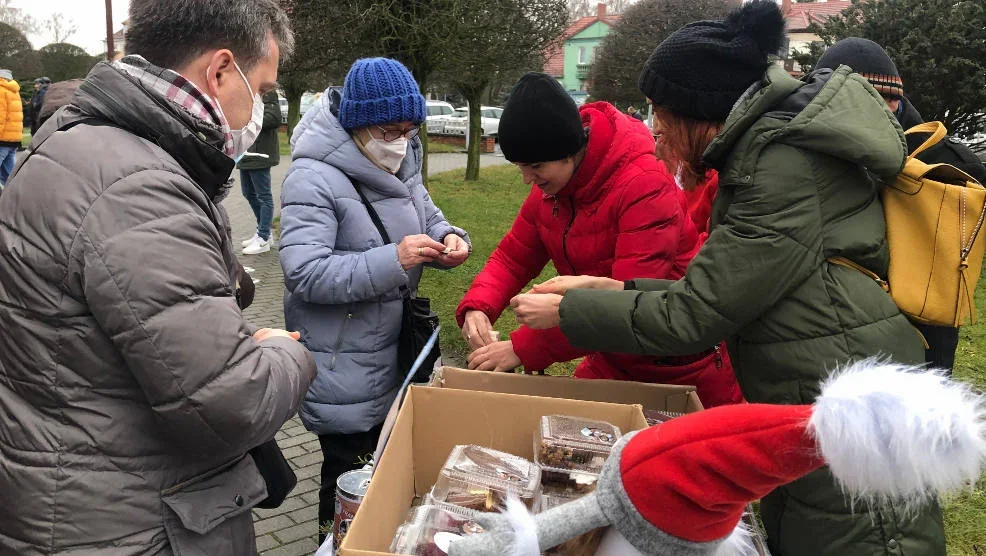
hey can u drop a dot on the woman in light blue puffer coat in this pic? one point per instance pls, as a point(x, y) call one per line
point(343, 280)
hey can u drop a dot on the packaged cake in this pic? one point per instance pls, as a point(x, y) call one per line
point(551, 498)
point(479, 479)
point(656, 417)
point(430, 529)
point(567, 481)
point(573, 443)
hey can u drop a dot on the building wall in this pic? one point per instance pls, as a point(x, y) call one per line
point(586, 41)
point(800, 42)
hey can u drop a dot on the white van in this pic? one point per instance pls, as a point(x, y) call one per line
point(438, 113)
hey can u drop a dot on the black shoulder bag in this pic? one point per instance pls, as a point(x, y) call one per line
point(274, 468)
point(418, 320)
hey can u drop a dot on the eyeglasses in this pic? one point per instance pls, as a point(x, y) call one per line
point(391, 135)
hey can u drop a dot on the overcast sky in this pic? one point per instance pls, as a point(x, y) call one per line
point(88, 15)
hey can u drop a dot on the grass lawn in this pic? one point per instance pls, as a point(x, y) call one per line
point(486, 209)
point(434, 147)
point(284, 143)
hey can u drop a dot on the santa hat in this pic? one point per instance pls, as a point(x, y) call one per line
point(890, 435)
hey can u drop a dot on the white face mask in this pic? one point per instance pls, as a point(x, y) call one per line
point(244, 138)
point(388, 154)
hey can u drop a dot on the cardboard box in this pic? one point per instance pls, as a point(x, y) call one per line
point(660, 397)
point(430, 423)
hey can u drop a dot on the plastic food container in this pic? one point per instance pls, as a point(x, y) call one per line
point(551, 498)
point(656, 417)
point(573, 443)
point(480, 479)
point(567, 481)
point(430, 530)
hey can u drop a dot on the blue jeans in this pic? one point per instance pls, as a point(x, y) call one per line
point(256, 188)
point(6, 163)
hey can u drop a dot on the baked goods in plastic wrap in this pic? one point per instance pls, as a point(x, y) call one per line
point(430, 529)
point(571, 451)
point(479, 479)
point(551, 498)
point(656, 417)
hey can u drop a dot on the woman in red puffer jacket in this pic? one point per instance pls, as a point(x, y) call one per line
point(601, 205)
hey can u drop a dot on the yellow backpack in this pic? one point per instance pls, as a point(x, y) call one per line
point(934, 215)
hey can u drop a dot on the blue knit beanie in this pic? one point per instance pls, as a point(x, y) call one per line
point(380, 91)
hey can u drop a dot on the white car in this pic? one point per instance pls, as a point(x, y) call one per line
point(438, 113)
point(490, 121)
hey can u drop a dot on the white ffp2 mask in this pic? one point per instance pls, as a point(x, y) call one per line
point(388, 154)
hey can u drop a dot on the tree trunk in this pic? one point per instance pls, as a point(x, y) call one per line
point(294, 106)
point(475, 131)
point(423, 134)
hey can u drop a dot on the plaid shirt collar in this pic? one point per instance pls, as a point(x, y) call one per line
point(180, 92)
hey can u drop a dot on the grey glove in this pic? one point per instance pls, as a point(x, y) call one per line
point(515, 533)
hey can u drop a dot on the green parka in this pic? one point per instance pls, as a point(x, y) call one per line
point(795, 160)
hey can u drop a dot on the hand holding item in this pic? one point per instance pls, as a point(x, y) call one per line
point(265, 333)
point(418, 249)
point(456, 251)
point(561, 284)
point(537, 310)
point(498, 357)
point(477, 330)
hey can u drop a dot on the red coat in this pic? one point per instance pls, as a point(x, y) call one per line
point(700, 201)
point(621, 216)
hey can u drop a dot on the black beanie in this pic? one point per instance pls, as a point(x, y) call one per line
point(702, 69)
point(868, 59)
point(540, 122)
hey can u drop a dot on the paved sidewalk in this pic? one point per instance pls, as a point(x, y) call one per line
point(291, 530)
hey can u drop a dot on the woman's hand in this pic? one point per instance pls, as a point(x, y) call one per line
point(265, 333)
point(498, 357)
point(418, 249)
point(561, 284)
point(477, 330)
point(456, 251)
point(537, 310)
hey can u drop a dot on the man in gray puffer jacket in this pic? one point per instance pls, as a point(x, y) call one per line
point(131, 387)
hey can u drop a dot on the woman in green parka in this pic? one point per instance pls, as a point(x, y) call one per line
point(799, 166)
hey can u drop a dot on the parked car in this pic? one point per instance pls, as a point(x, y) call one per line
point(490, 121)
point(438, 113)
point(307, 100)
point(284, 109)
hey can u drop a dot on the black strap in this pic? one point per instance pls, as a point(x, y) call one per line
point(373, 214)
point(405, 293)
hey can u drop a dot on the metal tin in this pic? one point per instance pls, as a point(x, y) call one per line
point(350, 490)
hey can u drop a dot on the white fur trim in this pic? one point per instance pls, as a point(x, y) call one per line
point(615, 544)
point(739, 542)
point(525, 531)
point(894, 434)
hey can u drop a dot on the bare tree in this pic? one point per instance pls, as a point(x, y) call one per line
point(633, 39)
point(585, 8)
point(468, 43)
point(16, 18)
point(496, 38)
point(61, 27)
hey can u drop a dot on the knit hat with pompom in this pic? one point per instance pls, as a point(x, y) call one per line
point(702, 69)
